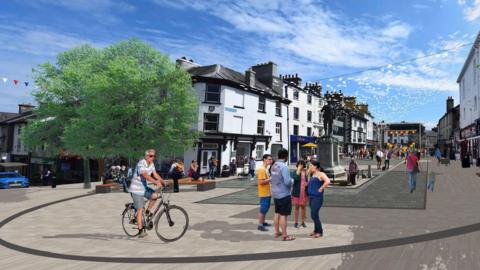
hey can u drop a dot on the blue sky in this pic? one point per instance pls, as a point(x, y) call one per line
point(316, 39)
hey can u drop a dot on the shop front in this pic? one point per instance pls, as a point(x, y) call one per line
point(300, 148)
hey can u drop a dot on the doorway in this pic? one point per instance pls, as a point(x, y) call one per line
point(205, 156)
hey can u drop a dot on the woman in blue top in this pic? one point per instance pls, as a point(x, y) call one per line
point(316, 185)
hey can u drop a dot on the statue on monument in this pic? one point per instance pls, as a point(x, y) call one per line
point(328, 116)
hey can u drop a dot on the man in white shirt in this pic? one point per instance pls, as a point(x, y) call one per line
point(145, 171)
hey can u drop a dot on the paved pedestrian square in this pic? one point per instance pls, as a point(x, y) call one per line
point(81, 233)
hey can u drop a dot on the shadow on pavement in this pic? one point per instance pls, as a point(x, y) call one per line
point(224, 231)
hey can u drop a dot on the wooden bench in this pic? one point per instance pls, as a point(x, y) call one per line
point(201, 185)
point(107, 188)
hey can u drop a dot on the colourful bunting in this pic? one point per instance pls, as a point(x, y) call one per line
point(16, 82)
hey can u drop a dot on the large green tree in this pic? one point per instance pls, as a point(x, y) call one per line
point(113, 102)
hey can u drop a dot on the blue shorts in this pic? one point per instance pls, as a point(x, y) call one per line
point(148, 193)
point(264, 204)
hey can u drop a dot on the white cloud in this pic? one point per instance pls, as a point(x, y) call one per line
point(38, 41)
point(102, 10)
point(471, 13)
point(307, 30)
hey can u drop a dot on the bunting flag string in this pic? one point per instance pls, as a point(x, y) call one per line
point(16, 82)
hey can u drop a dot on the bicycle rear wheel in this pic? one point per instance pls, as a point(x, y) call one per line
point(171, 226)
point(129, 221)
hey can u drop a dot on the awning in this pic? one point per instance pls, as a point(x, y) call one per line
point(309, 145)
point(12, 164)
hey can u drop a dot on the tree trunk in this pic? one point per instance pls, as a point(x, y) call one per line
point(86, 173)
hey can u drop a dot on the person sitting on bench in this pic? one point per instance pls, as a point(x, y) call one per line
point(193, 171)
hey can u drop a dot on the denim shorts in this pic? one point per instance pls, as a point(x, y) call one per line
point(264, 204)
point(138, 201)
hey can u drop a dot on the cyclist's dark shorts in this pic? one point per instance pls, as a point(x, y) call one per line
point(148, 193)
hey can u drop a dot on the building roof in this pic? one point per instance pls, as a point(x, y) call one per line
point(6, 115)
point(223, 73)
point(18, 118)
point(469, 57)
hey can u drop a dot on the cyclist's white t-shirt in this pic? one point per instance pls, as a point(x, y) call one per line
point(137, 186)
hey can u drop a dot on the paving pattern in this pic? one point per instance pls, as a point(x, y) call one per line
point(89, 226)
point(387, 190)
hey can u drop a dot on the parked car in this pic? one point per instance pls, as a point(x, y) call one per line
point(12, 179)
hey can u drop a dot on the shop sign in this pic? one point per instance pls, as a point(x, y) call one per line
point(40, 160)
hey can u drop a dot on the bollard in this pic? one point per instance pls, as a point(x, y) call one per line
point(369, 173)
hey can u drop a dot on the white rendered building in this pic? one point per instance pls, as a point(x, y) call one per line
point(241, 115)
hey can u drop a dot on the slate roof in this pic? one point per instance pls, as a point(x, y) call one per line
point(6, 115)
point(223, 73)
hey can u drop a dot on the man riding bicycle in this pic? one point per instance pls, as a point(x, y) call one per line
point(145, 171)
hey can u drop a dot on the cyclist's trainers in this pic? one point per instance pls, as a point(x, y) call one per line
point(142, 233)
point(265, 224)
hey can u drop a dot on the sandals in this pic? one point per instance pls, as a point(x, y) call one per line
point(288, 238)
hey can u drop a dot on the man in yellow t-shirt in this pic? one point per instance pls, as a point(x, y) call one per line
point(264, 191)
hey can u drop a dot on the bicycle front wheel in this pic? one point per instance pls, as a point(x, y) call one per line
point(172, 225)
point(129, 222)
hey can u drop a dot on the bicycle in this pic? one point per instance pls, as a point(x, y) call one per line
point(176, 218)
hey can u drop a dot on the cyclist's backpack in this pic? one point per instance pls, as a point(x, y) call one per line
point(126, 181)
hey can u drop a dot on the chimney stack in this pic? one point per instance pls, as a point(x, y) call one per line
point(449, 104)
point(186, 64)
point(250, 77)
point(266, 73)
point(25, 108)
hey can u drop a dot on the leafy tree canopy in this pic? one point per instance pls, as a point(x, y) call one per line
point(113, 102)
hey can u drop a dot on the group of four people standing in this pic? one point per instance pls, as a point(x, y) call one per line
point(305, 185)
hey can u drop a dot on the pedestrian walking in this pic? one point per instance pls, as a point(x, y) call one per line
point(413, 169)
point(46, 176)
point(211, 167)
point(431, 182)
point(379, 156)
point(264, 191)
point(299, 195)
point(352, 172)
point(387, 155)
point(281, 186)
point(233, 168)
point(438, 155)
point(316, 187)
point(251, 168)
